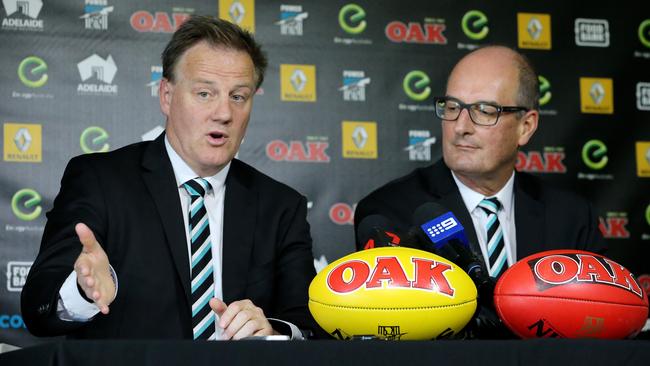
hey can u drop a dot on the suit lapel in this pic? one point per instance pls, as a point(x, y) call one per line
point(158, 176)
point(240, 206)
point(529, 218)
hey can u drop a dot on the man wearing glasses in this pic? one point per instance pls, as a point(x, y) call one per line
point(489, 111)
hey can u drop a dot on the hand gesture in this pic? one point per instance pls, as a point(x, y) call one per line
point(93, 270)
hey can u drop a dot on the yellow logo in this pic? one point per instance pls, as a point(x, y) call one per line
point(596, 95)
point(359, 140)
point(298, 83)
point(643, 158)
point(23, 142)
point(534, 30)
point(240, 12)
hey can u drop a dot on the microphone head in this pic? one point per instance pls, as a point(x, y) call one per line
point(438, 225)
point(376, 231)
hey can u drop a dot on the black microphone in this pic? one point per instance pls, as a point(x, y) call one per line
point(376, 231)
point(445, 236)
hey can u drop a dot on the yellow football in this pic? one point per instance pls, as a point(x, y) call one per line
point(392, 293)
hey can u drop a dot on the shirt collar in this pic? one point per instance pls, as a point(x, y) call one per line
point(183, 172)
point(472, 198)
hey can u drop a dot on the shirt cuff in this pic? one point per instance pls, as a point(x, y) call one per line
point(72, 306)
point(287, 328)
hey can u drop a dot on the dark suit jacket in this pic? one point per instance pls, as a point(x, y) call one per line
point(130, 201)
point(545, 218)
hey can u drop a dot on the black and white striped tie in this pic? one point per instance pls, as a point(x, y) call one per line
point(203, 320)
point(498, 257)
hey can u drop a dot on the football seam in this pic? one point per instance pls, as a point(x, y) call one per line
point(394, 308)
point(572, 299)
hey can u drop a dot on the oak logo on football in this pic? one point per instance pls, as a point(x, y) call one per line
point(551, 160)
point(313, 150)
point(351, 275)
point(561, 269)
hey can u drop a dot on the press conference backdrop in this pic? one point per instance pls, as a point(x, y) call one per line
point(346, 106)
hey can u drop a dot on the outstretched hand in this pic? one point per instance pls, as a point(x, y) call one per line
point(93, 270)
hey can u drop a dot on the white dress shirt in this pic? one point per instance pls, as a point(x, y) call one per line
point(506, 215)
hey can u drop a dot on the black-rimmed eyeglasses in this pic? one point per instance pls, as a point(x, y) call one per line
point(481, 113)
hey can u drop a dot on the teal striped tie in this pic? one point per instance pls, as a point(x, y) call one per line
point(496, 248)
point(203, 319)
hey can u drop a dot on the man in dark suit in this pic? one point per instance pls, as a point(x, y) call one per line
point(488, 112)
point(175, 238)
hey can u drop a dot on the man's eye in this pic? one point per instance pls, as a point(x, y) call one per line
point(238, 98)
point(203, 94)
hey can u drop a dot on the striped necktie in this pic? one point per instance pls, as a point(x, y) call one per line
point(202, 279)
point(498, 257)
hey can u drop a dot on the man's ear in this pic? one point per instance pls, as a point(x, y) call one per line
point(165, 91)
point(528, 126)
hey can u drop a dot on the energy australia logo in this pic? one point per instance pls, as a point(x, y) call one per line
point(100, 69)
point(96, 14)
point(419, 147)
point(22, 15)
point(156, 76)
point(354, 86)
point(291, 17)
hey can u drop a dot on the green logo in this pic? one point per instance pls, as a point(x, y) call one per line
point(419, 80)
point(644, 32)
point(92, 138)
point(474, 24)
point(32, 66)
point(647, 214)
point(544, 90)
point(355, 14)
point(29, 198)
point(594, 154)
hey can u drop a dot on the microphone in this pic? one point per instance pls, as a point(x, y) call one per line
point(376, 231)
point(444, 233)
point(445, 236)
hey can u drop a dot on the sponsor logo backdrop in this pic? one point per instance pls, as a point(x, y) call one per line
point(347, 104)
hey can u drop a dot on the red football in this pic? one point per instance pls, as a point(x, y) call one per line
point(570, 294)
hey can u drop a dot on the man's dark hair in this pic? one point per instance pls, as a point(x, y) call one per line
point(217, 33)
